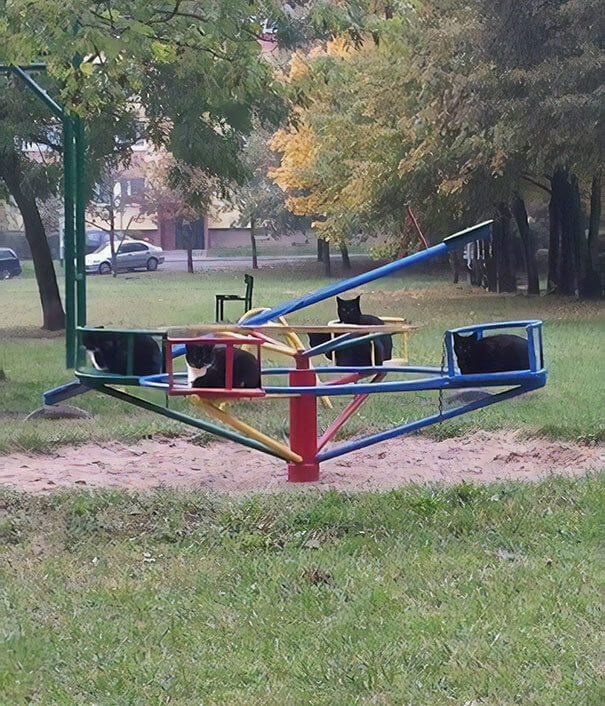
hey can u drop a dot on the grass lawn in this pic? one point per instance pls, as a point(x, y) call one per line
point(467, 595)
point(570, 407)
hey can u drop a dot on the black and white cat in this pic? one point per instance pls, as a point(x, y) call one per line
point(492, 354)
point(206, 365)
point(109, 352)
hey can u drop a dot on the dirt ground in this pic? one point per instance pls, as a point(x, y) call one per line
point(480, 457)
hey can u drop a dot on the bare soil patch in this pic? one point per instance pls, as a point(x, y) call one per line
point(480, 458)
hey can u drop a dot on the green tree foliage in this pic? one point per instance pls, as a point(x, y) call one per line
point(452, 107)
point(187, 75)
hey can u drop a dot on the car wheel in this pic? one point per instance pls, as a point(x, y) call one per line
point(104, 268)
point(152, 264)
point(5, 274)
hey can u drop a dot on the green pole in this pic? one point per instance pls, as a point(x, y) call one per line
point(68, 241)
point(39, 91)
point(80, 239)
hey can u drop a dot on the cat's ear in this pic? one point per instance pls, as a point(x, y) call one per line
point(474, 336)
point(339, 300)
point(357, 299)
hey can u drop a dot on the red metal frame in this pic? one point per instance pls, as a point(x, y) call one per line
point(346, 414)
point(303, 425)
point(349, 377)
point(214, 392)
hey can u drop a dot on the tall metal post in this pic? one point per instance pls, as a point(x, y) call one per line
point(80, 239)
point(68, 197)
point(303, 425)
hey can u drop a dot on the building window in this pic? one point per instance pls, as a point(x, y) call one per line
point(132, 190)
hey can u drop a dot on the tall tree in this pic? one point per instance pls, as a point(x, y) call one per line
point(260, 201)
point(451, 107)
point(193, 71)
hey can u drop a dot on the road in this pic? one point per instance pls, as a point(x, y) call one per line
point(176, 261)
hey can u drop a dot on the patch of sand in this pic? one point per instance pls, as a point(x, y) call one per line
point(480, 457)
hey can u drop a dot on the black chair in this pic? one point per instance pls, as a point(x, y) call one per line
point(247, 299)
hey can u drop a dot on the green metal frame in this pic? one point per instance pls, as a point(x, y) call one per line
point(184, 418)
point(74, 196)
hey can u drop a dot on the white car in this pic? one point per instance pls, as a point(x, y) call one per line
point(131, 255)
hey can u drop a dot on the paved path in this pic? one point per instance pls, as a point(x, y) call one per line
point(176, 261)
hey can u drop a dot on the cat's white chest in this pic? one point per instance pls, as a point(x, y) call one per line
point(93, 360)
point(195, 373)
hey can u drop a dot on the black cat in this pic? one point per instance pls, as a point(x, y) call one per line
point(206, 364)
point(109, 353)
point(359, 354)
point(349, 312)
point(492, 354)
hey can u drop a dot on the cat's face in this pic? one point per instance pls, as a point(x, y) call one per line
point(101, 348)
point(463, 345)
point(349, 310)
point(199, 355)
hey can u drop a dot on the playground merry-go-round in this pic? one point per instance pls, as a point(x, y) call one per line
point(267, 331)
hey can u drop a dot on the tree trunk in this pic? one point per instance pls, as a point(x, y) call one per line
point(562, 197)
point(189, 258)
point(326, 254)
point(346, 261)
point(567, 259)
point(554, 241)
point(320, 250)
point(506, 276)
point(594, 219)
point(591, 285)
point(455, 263)
point(577, 233)
point(253, 244)
point(52, 308)
point(529, 245)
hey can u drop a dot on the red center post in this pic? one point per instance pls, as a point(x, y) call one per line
point(303, 424)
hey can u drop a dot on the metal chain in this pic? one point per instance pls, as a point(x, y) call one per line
point(443, 354)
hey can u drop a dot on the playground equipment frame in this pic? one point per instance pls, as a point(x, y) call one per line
point(307, 449)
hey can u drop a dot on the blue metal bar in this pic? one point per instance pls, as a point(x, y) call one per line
point(437, 383)
point(328, 345)
point(496, 325)
point(343, 342)
point(448, 342)
point(64, 392)
point(371, 439)
point(478, 232)
point(366, 369)
point(541, 341)
point(160, 380)
point(531, 349)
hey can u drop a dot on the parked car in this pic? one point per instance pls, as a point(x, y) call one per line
point(95, 239)
point(131, 255)
point(9, 263)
